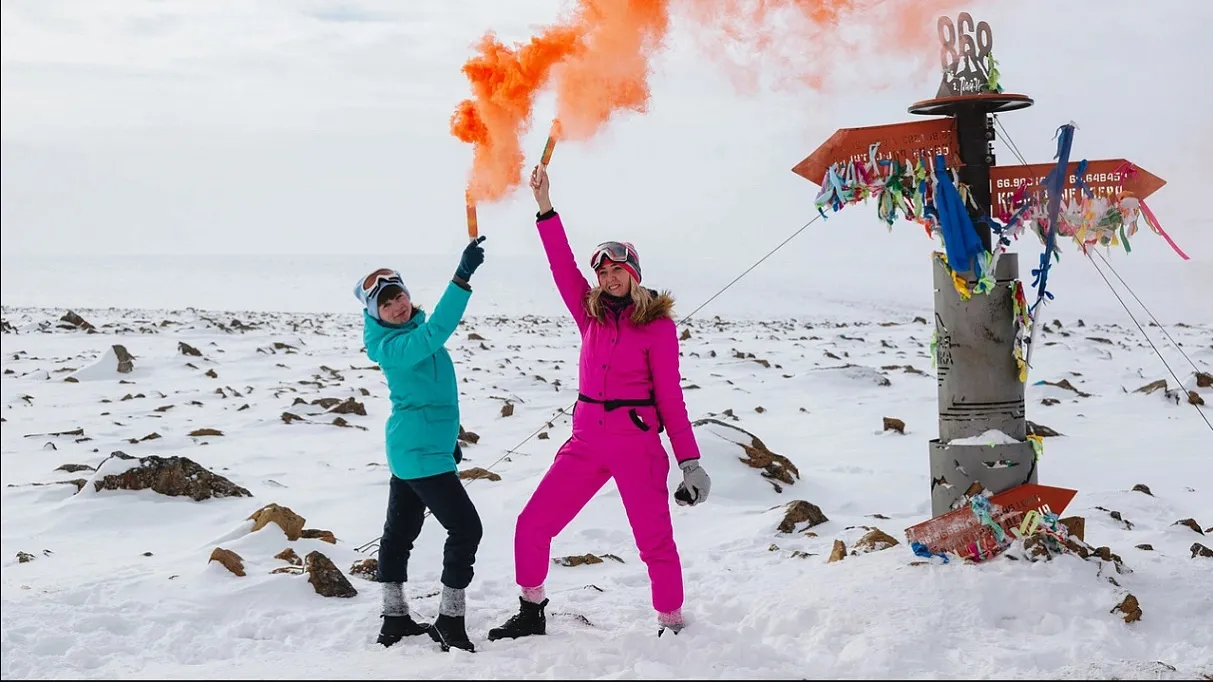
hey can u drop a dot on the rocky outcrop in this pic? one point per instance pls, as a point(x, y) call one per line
point(326, 578)
point(173, 476)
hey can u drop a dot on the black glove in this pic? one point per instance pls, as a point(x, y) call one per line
point(473, 256)
point(458, 453)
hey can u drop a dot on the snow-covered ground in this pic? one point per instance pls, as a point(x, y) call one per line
point(119, 584)
point(219, 174)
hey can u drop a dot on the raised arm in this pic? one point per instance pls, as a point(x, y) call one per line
point(569, 280)
point(667, 389)
point(405, 349)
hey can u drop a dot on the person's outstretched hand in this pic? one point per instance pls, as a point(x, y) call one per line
point(539, 186)
point(473, 256)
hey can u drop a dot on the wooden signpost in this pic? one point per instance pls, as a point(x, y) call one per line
point(1108, 177)
point(912, 140)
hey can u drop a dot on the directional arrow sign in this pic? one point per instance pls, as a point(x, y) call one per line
point(1020, 498)
point(1107, 177)
point(910, 140)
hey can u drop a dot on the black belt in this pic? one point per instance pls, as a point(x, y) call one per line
point(613, 404)
point(609, 405)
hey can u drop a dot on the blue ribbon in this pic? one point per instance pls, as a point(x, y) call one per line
point(960, 238)
point(1055, 184)
point(832, 191)
point(922, 551)
point(1079, 173)
point(996, 228)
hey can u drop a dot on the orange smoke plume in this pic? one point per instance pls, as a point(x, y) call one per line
point(505, 82)
point(818, 44)
point(598, 61)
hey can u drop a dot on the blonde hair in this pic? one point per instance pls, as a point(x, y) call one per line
point(643, 302)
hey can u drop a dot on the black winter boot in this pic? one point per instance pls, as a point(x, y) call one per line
point(396, 628)
point(674, 628)
point(528, 621)
point(449, 631)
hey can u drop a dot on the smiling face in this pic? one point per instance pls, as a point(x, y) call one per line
point(614, 279)
point(396, 310)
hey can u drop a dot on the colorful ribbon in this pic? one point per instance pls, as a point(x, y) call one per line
point(1023, 329)
point(934, 197)
point(959, 236)
point(980, 504)
point(958, 282)
point(1152, 221)
point(992, 74)
point(1038, 446)
point(921, 550)
point(1055, 184)
point(900, 188)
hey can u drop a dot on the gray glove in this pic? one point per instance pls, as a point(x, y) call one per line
point(695, 484)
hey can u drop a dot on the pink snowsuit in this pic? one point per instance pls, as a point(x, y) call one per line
point(620, 360)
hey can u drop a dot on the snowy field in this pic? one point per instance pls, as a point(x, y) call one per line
point(202, 183)
point(117, 583)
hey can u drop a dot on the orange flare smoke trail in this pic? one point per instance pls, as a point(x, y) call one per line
point(599, 58)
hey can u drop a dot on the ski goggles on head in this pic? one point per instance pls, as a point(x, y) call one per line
point(619, 252)
point(374, 283)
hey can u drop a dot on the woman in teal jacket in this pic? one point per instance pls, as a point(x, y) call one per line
point(422, 447)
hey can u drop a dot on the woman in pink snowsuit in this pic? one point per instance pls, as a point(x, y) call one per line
point(629, 391)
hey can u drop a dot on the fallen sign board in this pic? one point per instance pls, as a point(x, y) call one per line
point(959, 530)
point(1105, 177)
point(901, 141)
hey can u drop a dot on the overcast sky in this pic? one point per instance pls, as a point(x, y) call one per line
point(316, 126)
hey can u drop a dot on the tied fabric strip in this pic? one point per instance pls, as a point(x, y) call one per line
point(1128, 170)
point(1038, 446)
point(899, 187)
point(1055, 184)
point(1047, 526)
point(992, 74)
point(923, 551)
point(1102, 221)
point(1023, 329)
point(985, 281)
point(1152, 221)
point(1031, 521)
point(958, 282)
point(980, 504)
point(956, 227)
point(1080, 182)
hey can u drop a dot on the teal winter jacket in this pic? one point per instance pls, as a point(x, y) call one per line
point(424, 425)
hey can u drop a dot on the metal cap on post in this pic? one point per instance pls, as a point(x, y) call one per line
point(965, 94)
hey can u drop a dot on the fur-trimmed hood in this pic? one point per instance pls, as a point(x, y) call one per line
point(661, 307)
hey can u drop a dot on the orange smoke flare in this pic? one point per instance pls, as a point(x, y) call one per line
point(598, 60)
point(473, 223)
point(548, 148)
